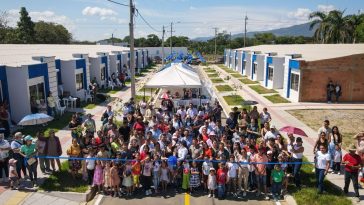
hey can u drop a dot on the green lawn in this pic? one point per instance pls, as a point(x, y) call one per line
point(210, 71)
point(247, 81)
point(213, 75)
point(233, 99)
point(90, 106)
point(236, 75)
point(224, 88)
point(277, 99)
point(262, 90)
point(228, 70)
point(55, 125)
point(217, 80)
point(308, 194)
point(63, 181)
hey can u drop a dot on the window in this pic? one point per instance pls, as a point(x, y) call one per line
point(103, 70)
point(295, 78)
point(254, 68)
point(37, 91)
point(270, 73)
point(79, 81)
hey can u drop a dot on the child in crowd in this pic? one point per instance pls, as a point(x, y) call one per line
point(277, 177)
point(178, 172)
point(232, 175)
point(107, 177)
point(136, 170)
point(195, 177)
point(13, 175)
point(147, 175)
point(221, 181)
point(90, 166)
point(211, 183)
point(127, 181)
point(206, 165)
point(98, 179)
point(156, 172)
point(186, 175)
point(114, 178)
point(337, 160)
point(164, 175)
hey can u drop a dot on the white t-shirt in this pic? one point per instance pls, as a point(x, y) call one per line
point(322, 160)
point(206, 168)
point(264, 117)
point(232, 169)
point(270, 135)
point(4, 145)
point(90, 163)
point(337, 156)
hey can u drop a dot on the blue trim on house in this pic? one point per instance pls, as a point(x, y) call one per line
point(39, 70)
point(254, 58)
point(269, 61)
point(81, 63)
point(242, 62)
point(59, 75)
point(129, 59)
point(235, 59)
point(230, 56)
point(224, 56)
point(4, 85)
point(104, 60)
point(118, 57)
point(292, 65)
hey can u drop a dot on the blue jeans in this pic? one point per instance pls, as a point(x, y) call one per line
point(320, 176)
point(261, 182)
point(276, 188)
point(332, 153)
point(221, 190)
point(296, 171)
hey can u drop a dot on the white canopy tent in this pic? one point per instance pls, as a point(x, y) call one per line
point(177, 75)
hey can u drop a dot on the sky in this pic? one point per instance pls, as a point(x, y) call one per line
point(99, 19)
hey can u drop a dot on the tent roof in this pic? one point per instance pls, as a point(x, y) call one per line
point(176, 75)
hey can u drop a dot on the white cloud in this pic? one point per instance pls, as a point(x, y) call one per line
point(325, 8)
point(192, 8)
point(97, 11)
point(47, 16)
point(300, 14)
point(114, 19)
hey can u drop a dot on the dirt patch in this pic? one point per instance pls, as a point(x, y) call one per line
point(349, 122)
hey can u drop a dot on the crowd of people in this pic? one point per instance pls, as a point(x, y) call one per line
point(189, 149)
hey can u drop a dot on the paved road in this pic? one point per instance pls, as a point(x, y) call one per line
point(185, 199)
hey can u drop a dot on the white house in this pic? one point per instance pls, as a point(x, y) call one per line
point(157, 51)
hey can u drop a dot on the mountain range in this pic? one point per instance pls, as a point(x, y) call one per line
point(296, 30)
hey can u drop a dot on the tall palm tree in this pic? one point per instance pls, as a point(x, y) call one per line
point(353, 23)
point(338, 31)
point(319, 20)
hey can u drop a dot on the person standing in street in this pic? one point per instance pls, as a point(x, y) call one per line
point(322, 165)
point(353, 164)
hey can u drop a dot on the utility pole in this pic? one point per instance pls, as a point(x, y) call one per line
point(245, 22)
point(131, 34)
point(163, 45)
point(112, 39)
point(215, 28)
point(230, 41)
point(170, 40)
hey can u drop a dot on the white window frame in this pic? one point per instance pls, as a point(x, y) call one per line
point(36, 81)
point(298, 81)
point(270, 74)
point(79, 71)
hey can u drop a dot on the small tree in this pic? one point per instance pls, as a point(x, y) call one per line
point(25, 30)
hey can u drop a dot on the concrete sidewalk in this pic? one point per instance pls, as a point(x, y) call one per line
point(282, 118)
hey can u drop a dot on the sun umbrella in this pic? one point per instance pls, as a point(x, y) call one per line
point(293, 130)
point(35, 119)
point(165, 96)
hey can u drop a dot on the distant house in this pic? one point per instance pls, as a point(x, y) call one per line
point(300, 73)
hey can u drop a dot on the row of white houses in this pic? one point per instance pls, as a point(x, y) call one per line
point(32, 71)
point(300, 73)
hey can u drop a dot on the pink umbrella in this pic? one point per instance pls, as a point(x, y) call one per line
point(165, 96)
point(293, 130)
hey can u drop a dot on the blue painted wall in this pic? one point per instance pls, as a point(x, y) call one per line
point(104, 60)
point(4, 85)
point(242, 62)
point(59, 76)
point(293, 65)
point(81, 64)
point(269, 61)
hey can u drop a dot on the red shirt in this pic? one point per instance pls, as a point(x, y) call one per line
point(354, 160)
point(205, 137)
point(221, 176)
point(139, 126)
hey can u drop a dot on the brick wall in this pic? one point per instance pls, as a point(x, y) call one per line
point(347, 71)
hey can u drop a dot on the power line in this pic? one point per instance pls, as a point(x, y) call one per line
point(117, 3)
point(146, 22)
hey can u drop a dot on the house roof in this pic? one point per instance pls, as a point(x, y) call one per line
point(16, 55)
point(310, 52)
